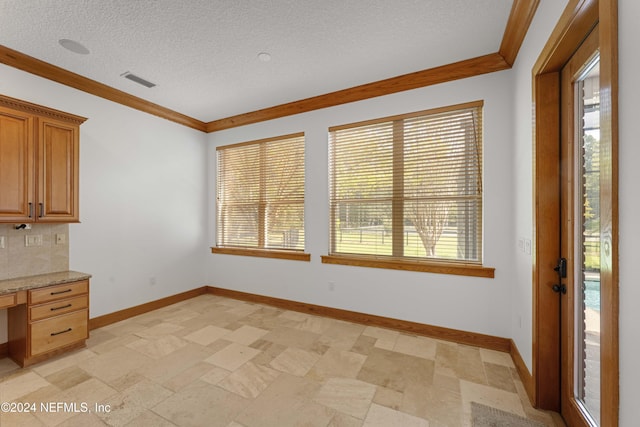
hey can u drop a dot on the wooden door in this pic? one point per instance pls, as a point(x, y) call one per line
point(58, 161)
point(17, 196)
point(579, 276)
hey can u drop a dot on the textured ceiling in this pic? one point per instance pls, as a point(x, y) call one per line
point(202, 54)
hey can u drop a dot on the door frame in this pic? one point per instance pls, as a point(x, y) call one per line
point(576, 22)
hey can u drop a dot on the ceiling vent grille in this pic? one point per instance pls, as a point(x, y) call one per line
point(137, 79)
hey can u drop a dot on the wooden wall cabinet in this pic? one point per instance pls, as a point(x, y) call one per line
point(55, 319)
point(39, 163)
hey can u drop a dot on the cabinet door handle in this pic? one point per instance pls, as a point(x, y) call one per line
point(61, 307)
point(61, 292)
point(41, 209)
point(30, 210)
point(53, 334)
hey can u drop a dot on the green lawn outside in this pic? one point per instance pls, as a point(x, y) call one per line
point(375, 241)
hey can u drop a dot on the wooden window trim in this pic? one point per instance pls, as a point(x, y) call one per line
point(386, 119)
point(459, 269)
point(260, 141)
point(263, 253)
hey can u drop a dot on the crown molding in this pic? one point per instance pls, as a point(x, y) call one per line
point(522, 13)
point(39, 110)
point(458, 70)
point(40, 68)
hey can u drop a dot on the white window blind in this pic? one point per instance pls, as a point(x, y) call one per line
point(409, 186)
point(260, 194)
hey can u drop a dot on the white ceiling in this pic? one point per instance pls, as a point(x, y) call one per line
point(202, 54)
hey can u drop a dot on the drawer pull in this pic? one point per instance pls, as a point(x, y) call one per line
point(60, 308)
point(61, 292)
point(53, 334)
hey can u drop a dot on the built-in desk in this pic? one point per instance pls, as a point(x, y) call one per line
point(48, 314)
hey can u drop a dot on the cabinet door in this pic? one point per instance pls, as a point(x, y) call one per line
point(58, 159)
point(16, 166)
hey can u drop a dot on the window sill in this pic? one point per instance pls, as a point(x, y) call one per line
point(263, 253)
point(397, 264)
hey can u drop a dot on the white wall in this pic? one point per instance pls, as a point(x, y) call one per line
point(466, 303)
point(142, 197)
point(629, 63)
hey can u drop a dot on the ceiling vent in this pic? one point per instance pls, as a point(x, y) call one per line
point(139, 80)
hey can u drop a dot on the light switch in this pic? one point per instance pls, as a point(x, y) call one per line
point(1, 242)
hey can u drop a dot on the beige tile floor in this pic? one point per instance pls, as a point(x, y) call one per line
point(213, 361)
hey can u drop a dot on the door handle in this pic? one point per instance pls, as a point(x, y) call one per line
point(561, 268)
point(559, 289)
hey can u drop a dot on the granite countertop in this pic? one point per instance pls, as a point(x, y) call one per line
point(32, 282)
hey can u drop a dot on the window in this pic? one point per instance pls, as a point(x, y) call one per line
point(408, 188)
point(260, 195)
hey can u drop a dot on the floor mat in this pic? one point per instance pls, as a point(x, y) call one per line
point(486, 416)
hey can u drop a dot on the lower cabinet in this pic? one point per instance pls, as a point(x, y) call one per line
point(54, 320)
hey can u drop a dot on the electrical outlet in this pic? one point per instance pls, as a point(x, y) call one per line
point(332, 286)
point(33, 240)
point(61, 239)
point(152, 281)
point(527, 246)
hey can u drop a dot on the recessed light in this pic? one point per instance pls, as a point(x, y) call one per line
point(74, 46)
point(264, 57)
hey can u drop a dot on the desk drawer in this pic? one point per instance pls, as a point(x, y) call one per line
point(56, 308)
point(59, 331)
point(8, 300)
point(52, 293)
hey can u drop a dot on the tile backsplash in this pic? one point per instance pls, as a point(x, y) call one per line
point(46, 255)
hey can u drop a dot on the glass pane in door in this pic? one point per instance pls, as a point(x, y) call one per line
point(588, 223)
